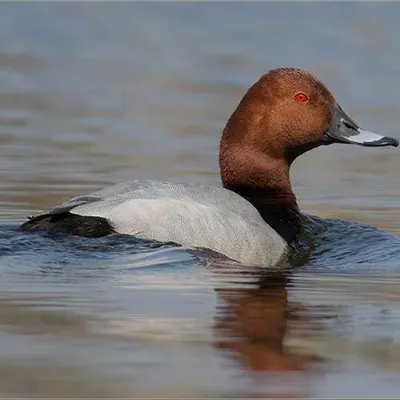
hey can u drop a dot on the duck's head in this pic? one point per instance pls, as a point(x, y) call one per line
point(289, 111)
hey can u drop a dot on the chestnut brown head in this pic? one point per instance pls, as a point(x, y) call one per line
point(289, 111)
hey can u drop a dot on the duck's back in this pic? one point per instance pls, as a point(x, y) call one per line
point(188, 214)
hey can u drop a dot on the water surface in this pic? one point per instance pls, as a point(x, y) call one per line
point(93, 94)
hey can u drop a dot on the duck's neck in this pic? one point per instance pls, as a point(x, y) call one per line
point(265, 183)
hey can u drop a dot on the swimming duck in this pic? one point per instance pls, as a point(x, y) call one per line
point(254, 218)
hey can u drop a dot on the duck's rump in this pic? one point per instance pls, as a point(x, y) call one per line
point(71, 224)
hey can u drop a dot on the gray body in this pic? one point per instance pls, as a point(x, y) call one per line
point(188, 214)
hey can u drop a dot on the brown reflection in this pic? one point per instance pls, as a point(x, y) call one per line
point(251, 325)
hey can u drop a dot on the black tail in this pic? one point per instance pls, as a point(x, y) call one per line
point(71, 224)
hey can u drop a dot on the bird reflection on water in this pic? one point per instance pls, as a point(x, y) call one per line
point(253, 318)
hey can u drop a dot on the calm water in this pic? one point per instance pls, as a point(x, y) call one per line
point(92, 94)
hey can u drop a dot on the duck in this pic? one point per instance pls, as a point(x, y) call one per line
point(254, 218)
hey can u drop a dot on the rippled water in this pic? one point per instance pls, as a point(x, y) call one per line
point(92, 94)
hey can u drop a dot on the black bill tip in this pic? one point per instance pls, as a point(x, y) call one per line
point(385, 141)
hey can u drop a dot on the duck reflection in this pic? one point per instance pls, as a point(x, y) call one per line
point(252, 321)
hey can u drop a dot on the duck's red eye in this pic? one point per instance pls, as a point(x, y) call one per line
point(301, 97)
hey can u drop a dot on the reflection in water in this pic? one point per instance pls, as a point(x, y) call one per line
point(251, 325)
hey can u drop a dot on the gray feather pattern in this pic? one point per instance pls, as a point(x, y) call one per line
point(189, 214)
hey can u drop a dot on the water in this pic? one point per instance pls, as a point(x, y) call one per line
point(93, 94)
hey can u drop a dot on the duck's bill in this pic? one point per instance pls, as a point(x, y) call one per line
point(344, 130)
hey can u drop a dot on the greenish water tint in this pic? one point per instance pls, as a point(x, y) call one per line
point(93, 94)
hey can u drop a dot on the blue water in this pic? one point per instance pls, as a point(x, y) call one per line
point(93, 94)
point(119, 307)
